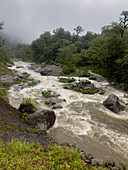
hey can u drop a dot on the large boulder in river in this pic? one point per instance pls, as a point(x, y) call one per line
point(46, 71)
point(28, 108)
point(112, 103)
point(42, 119)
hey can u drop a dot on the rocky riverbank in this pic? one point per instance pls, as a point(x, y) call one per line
point(52, 99)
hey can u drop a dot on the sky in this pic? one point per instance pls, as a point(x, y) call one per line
point(27, 19)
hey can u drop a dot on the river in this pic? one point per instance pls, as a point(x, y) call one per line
point(83, 119)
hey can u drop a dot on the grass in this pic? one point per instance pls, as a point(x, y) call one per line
point(66, 80)
point(29, 101)
point(89, 91)
point(23, 155)
point(47, 102)
point(46, 94)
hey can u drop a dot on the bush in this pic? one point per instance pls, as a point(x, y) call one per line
point(69, 70)
point(47, 102)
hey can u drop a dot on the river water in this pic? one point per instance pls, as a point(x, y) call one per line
point(83, 119)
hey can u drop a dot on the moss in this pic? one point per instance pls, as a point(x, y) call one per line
point(89, 91)
point(47, 94)
point(47, 102)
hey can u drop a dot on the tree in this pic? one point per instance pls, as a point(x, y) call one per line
point(1, 25)
point(124, 19)
point(78, 30)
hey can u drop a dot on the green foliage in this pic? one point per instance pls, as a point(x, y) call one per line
point(24, 155)
point(78, 30)
point(66, 80)
point(23, 115)
point(29, 101)
point(47, 102)
point(47, 94)
point(36, 131)
point(89, 91)
point(69, 70)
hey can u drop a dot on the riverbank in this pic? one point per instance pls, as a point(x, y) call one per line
point(70, 106)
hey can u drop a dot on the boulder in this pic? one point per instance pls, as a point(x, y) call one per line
point(113, 104)
point(57, 107)
point(19, 67)
point(22, 75)
point(7, 79)
point(92, 78)
point(101, 92)
point(28, 108)
point(45, 71)
point(42, 119)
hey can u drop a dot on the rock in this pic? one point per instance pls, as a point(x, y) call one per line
point(126, 95)
point(28, 108)
point(92, 78)
point(101, 92)
point(66, 87)
point(85, 75)
point(42, 119)
point(88, 161)
point(54, 100)
point(57, 107)
point(7, 79)
point(45, 71)
point(90, 156)
point(22, 75)
point(113, 104)
point(94, 162)
point(74, 85)
point(8, 65)
point(38, 69)
point(71, 80)
point(88, 88)
point(19, 67)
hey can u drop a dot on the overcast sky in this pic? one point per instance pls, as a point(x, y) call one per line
point(27, 19)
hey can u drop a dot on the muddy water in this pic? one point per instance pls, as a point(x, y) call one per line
point(83, 119)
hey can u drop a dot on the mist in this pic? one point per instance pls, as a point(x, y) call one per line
point(25, 20)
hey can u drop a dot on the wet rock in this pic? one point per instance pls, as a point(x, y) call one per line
point(28, 108)
point(95, 162)
point(42, 119)
point(125, 95)
point(71, 80)
point(7, 79)
point(66, 87)
point(90, 156)
point(57, 107)
point(101, 92)
point(85, 75)
point(19, 67)
point(9, 65)
point(54, 100)
point(46, 71)
point(22, 75)
point(74, 84)
point(113, 104)
point(92, 78)
point(38, 69)
point(88, 161)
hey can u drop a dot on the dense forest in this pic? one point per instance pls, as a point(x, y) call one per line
point(105, 53)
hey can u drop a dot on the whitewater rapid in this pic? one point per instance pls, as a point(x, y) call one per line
point(83, 119)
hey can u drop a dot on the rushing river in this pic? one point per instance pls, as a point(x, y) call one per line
point(83, 119)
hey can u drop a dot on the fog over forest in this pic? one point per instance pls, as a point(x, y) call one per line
point(27, 19)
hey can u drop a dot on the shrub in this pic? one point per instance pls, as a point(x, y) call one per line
point(47, 102)
point(68, 70)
